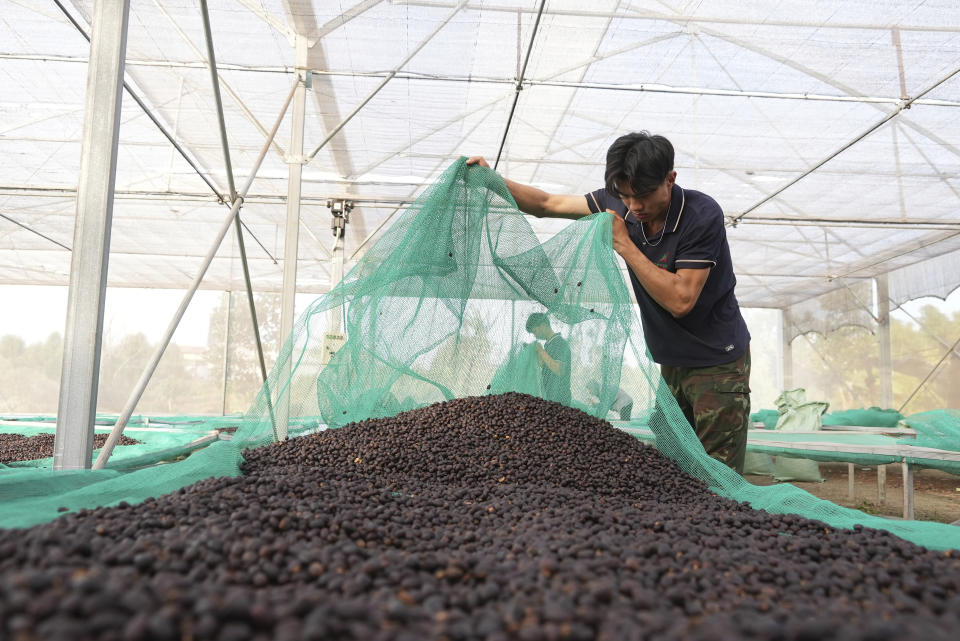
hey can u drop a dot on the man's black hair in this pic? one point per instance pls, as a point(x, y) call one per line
point(640, 160)
point(536, 320)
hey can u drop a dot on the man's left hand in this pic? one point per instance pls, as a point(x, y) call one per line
point(540, 352)
point(621, 237)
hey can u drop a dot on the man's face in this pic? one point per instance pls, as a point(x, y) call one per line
point(651, 206)
point(540, 332)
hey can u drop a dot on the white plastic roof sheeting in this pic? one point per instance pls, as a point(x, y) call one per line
point(829, 132)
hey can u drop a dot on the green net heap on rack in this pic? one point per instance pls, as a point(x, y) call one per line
point(939, 429)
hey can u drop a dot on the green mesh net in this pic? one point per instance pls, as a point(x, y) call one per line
point(160, 442)
point(438, 309)
point(29, 496)
point(31, 492)
point(867, 417)
point(939, 429)
point(767, 417)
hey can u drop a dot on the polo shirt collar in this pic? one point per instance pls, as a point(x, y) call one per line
point(677, 200)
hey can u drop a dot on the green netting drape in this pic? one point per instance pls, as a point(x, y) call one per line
point(438, 309)
point(869, 417)
point(939, 429)
point(520, 372)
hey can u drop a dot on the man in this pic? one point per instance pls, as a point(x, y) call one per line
point(622, 403)
point(554, 357)
point(674, 243)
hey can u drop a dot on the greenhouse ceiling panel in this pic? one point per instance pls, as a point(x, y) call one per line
point(828, 132)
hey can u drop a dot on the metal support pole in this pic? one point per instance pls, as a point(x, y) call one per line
point(907, 491)
point(163, 130)
point(172, 327)
point(787, 349)
point(73, 442)
point(374, 232)
point(336, 275)
point(34, 231)
point(926, 378)
point(167, 134)
point(215, 79)
point(519, 85)
point(291, 241)
point(904, 104)
point(253, 319)
point(226, 355)
point(883, 337)
point(388, 78)
point(955, 353)
point(340, 212)
point(212, 66)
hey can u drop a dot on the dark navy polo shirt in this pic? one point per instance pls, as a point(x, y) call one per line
point(694, 236)
point(556, 387)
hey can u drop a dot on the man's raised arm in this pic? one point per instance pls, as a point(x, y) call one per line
point(539, 203)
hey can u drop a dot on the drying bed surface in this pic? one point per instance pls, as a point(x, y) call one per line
point(17, 447)
point(496, 517)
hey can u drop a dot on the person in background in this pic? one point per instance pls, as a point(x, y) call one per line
point(622, 402)
point(554, 356)
point(674, 243)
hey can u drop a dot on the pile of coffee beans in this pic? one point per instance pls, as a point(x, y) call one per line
point(17, 447)
point(496, 518)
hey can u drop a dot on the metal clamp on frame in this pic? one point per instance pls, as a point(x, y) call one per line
point(341, 215)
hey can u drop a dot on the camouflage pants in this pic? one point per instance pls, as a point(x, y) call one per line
point(716, 402)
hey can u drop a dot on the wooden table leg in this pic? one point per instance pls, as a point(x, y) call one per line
point(907, 491)
point(850, 482)
point(881, 484)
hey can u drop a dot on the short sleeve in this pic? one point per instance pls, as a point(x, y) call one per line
point(702, 243)
point(601, 200)
point(559, 350)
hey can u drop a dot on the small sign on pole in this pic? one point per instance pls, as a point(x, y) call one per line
point(331, 343)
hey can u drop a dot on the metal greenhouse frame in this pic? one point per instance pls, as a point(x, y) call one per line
point(831, 136)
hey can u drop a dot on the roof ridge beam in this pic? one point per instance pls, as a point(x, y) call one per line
point(639, 14)
point(903, 106)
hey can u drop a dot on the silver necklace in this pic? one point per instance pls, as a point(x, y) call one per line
point(663, 232)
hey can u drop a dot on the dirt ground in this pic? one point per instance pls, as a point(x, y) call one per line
point(936, 493)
